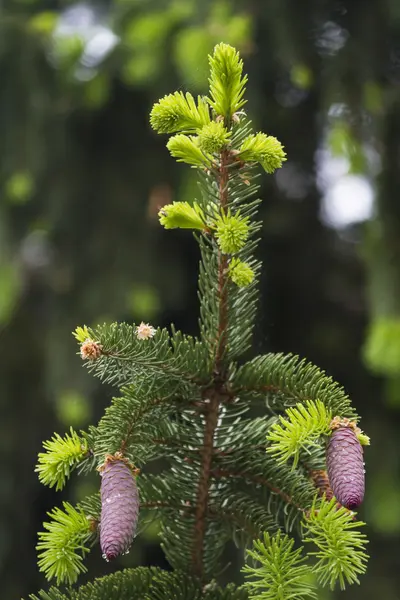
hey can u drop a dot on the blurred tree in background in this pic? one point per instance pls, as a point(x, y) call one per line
point(81, 181)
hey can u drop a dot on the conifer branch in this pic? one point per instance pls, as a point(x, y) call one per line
point(132, 421)
point(63, 545)
point(246, 517)
point(341, 547)
point(281, 572)
point(302, 427)
point(283, 380)
point(221, 473)
point(61, 457)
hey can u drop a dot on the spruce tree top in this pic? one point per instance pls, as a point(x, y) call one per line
point(184, 407)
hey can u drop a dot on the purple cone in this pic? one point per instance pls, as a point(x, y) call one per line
point(119, 508)
point(346, 467)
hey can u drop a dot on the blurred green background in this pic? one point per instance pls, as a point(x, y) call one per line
point(82, 178)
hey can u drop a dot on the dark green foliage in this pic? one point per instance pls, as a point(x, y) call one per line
point(125, 357)
point(145, 584)
point(283, 380)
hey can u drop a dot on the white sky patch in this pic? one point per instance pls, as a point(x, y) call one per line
point(346, 198)
point(98, 47)
point(348, 201)
point(85, 22)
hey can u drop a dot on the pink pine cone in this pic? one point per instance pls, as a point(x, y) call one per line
point(346, 467)
point(119, 508)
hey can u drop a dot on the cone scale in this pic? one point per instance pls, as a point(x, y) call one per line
point(119, 507)
point(346, 467)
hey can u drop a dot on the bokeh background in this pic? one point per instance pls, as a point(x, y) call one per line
point(82, 177)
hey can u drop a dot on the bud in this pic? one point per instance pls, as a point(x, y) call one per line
point(232, 233)
point(346, 466)
point(144, 331)
point(213, 137)
point(91, 350)
point(240, 272)
point(119, 506)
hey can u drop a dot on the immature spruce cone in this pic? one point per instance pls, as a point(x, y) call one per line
point(119, 507)
point(346, 467)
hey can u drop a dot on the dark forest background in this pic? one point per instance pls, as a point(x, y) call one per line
point(81, 180)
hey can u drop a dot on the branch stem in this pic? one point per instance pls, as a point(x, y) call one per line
point(214, 395)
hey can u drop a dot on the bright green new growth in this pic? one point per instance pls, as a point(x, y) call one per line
point(182, 215)
point(187, 402)
point(81, 334)
point(61, 456)
point(179, 112)
point(213, 137)
point(241, 273)
point(363, 439)
point(283, 572)
point(280, 573)
point(341, 548)
point(231, 233)
point(62, 547)
point(302, 429)
point(263, 149)
point(227, 83)
point(186, 148)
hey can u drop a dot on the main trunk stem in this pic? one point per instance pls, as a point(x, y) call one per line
point(213, 395)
